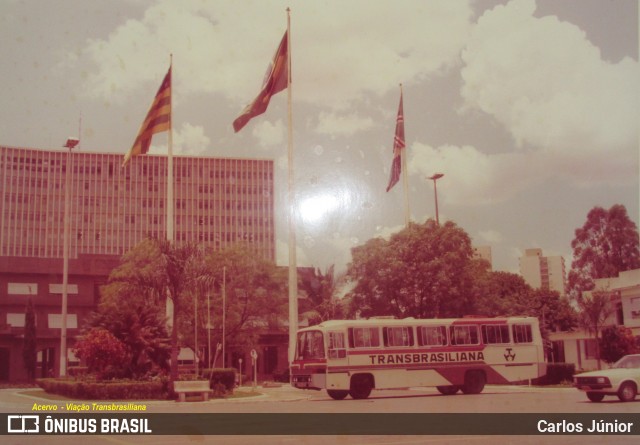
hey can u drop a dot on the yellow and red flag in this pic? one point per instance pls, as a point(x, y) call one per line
point(158, 120)
point(276, 80)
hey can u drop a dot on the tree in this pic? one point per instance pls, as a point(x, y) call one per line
point(159, 270)
point(253, 289)
point(103, 353)
point(29, 348)
point(423, 271)
point(616, 342)
point(321, 289)
point(141, 327)
point(604, 246)
point(502, 294)
point(594, 311)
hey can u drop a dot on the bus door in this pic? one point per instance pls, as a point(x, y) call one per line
point(337, 361)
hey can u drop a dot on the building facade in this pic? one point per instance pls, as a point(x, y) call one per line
point(580, 347)
point(217, 202)
point(542, 272)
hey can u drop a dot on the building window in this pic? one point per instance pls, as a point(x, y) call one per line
point(55, 321)
point(22, 289)
point(57, 289)
point(16, 320)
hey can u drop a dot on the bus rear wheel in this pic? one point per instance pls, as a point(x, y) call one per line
point(474, 382)
point(337, 394)
point(361, 386)
point(447, 390)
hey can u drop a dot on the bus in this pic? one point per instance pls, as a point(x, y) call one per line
point(353, 357)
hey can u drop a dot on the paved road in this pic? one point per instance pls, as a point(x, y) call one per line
point(285, 399)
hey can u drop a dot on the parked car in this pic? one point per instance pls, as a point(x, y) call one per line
point(622, 380)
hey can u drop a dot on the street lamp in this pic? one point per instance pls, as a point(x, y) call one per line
point(70, 144)
point(434, 178)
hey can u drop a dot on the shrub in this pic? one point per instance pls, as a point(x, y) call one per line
point(113, 390)
point(223, 376)
point(105, 355)
point(558, 373)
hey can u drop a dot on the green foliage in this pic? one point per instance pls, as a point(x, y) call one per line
point(502, 294)
point(321, 290)
point(103, 353)
point(29, 346)
point(113, 390)
point(558, 373)
point(225, 377)
point(140, 326)
point(616, 342)
point(423, 271)
point(595, 308)
point(604, 246)
point(254, 291)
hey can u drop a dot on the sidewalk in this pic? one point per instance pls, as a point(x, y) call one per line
point(282, 392)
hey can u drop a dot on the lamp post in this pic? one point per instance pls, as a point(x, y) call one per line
point(434, 178)
point(70, 144)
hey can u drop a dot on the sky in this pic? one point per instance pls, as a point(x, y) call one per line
point(530, 108)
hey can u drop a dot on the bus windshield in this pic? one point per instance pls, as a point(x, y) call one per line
point(310, 345)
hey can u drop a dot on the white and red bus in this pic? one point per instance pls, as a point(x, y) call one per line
point(352, 357)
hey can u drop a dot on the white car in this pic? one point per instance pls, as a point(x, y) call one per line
point(622, 380)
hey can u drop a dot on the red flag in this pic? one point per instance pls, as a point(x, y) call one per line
point(398, 146)
point(158, 119)
point(276, 80)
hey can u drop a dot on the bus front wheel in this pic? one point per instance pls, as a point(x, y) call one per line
point(474, 382)
point(336, 394)
point(361, 386)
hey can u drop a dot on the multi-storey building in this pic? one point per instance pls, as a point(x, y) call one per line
point(542, 272)
point(217, 202)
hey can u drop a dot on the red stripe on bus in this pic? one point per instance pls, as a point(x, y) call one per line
point(464, 348)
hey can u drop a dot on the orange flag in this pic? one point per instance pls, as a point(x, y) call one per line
point(276, 80)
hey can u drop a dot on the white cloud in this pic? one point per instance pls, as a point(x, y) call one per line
point(335, 124)
point(269, 134)
point(472, 177)
point(339, 50)
point(491, 236)
point(188, 140)
point(549, 86)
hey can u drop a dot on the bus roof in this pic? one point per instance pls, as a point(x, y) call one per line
point(385, 321)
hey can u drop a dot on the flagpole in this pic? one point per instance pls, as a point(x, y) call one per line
point(293, 270)
point(170, 162)
point(405, 181)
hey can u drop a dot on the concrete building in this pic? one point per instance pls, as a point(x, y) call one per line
point(218, 202)
point(484, 253)
point(579, 346)
point(542, 272)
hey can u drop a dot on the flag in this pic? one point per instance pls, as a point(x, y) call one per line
point(398, 146)
point(276, 80)
point(158, 119)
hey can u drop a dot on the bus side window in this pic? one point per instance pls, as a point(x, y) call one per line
point(398, 336)
point(364, 337)
point(432, 336)
point(336, 345)
point(522, 333)
point(495, 334)
point(464, 335)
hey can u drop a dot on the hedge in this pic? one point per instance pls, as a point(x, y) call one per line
point(222, 376)
point(112, 390)
point(558, 373)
